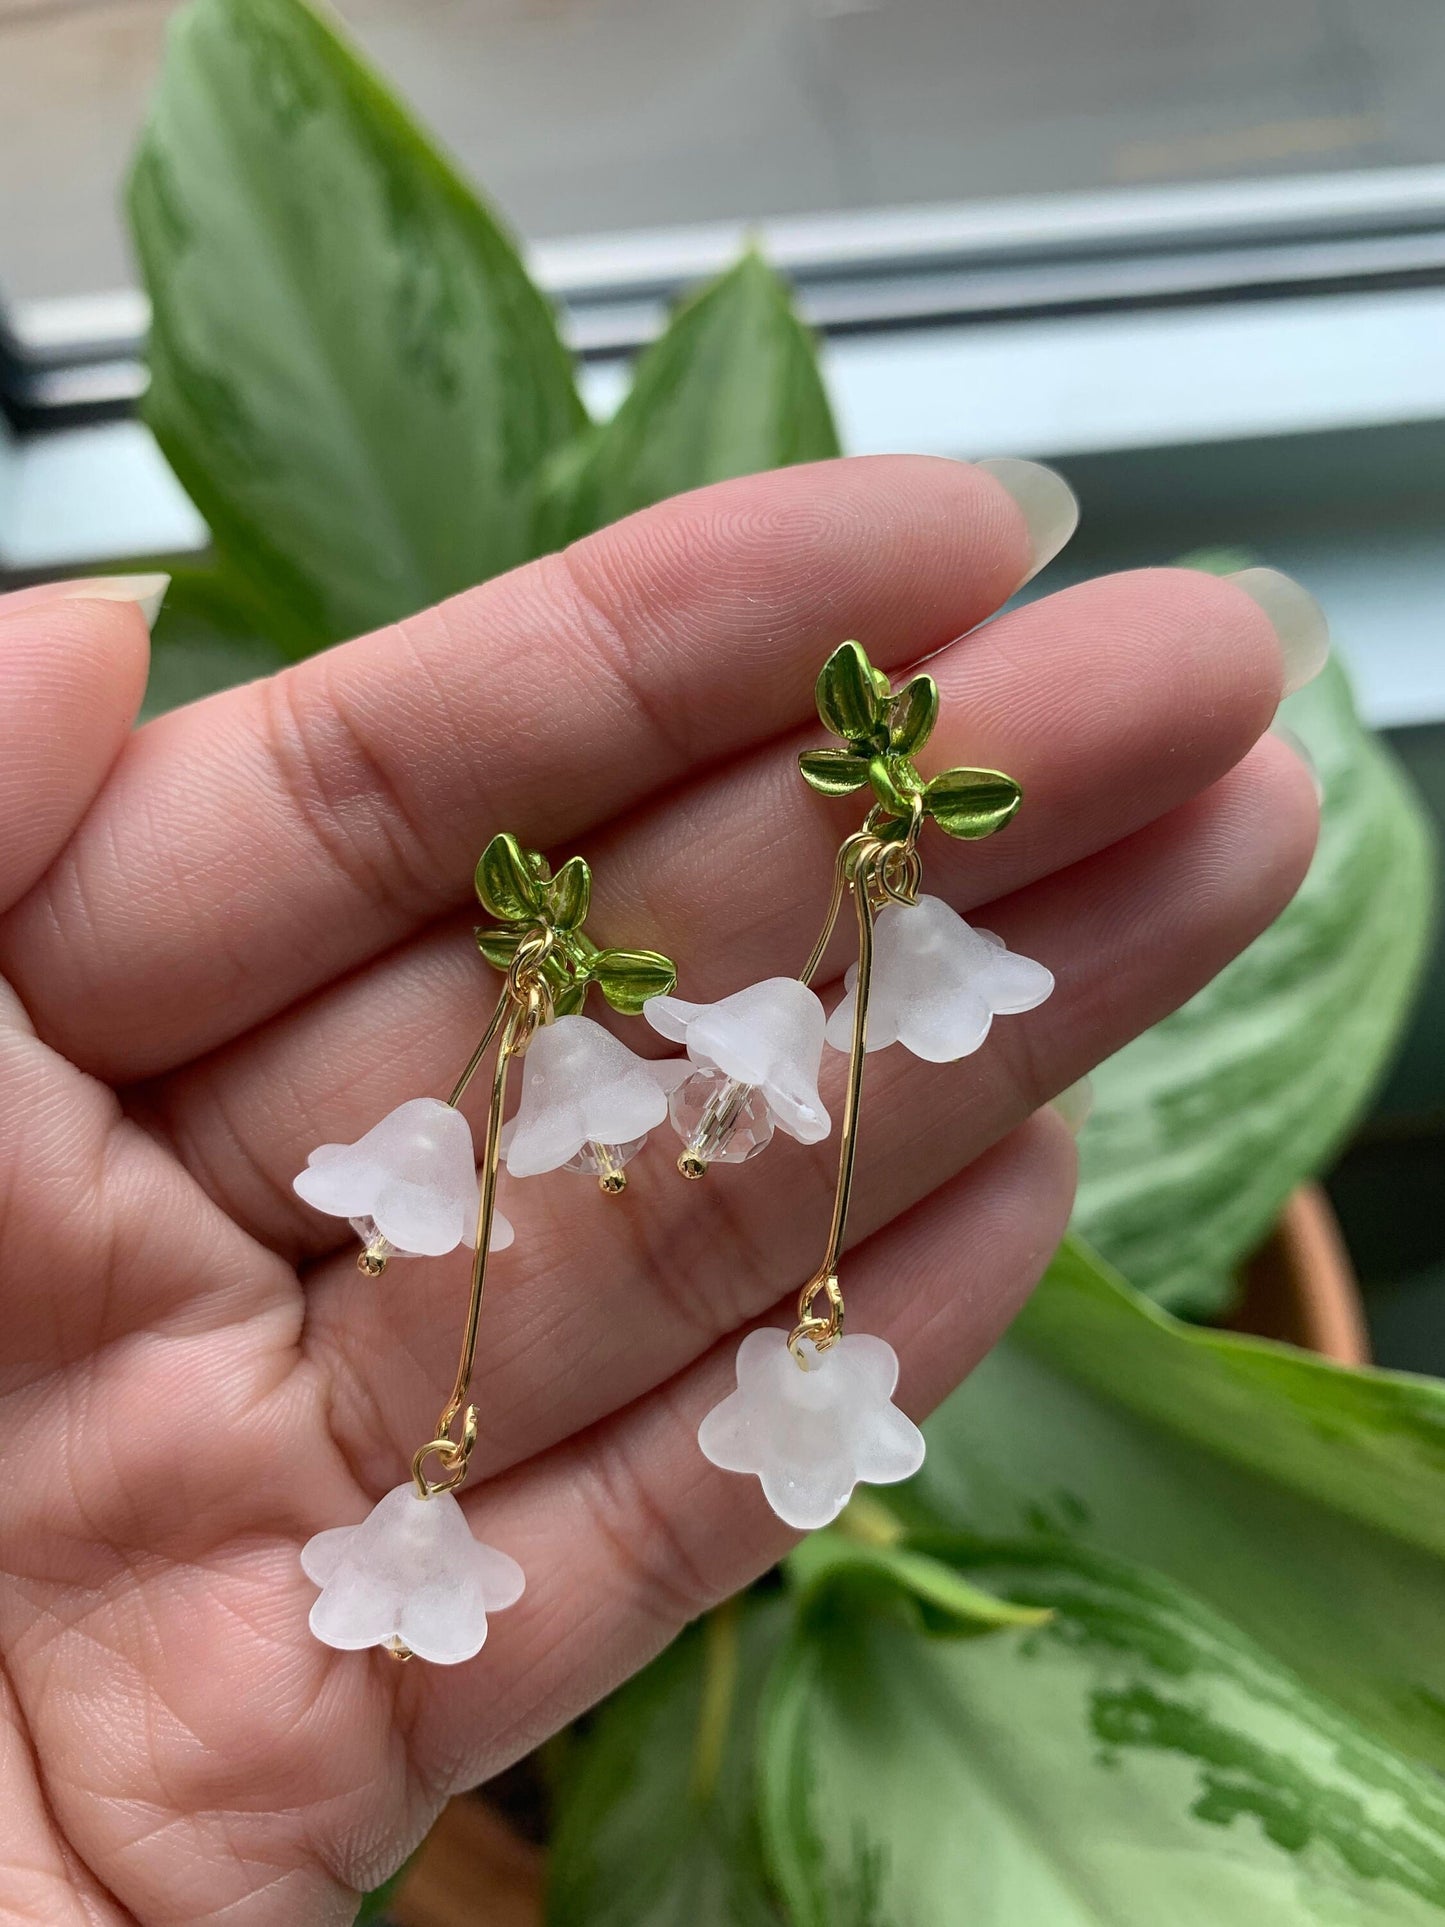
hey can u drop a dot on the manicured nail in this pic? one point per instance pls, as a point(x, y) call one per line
point(1075, 1104)
point(1049, 506)
point(147, 592)
point(1299, 622)
point(1301, 749)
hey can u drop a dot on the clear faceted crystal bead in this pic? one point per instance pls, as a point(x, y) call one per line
point(375, 1243)
point(719, 1120)
point(601, 1160)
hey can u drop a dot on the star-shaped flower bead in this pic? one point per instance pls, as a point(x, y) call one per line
point(411, 1578)
point(937, 983)
point(811, 1434)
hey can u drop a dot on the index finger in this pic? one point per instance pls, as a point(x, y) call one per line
point(257, 845)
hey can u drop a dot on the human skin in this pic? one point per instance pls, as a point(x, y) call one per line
point(245, 928)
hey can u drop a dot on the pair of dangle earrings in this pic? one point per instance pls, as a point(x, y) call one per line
point(812, 1415)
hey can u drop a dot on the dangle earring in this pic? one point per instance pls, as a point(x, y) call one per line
point(813, 1415)
point(411, 1578)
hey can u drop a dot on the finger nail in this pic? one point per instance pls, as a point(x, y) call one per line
point(147, 592)
point(1301, 749)
point(1299, 622)
point(1049, 506)
point(1075, 1105)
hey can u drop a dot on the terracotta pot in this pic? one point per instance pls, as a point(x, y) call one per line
point(472, 1872)
point(1300, 1286)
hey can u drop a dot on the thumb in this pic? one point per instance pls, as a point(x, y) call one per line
point(73, 662)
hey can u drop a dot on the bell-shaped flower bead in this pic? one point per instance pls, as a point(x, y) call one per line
point(413, 1175)
point(580, 1086)
point(937, 984)
point(768, 1037)
point(811, 1434)
point(410, 1575)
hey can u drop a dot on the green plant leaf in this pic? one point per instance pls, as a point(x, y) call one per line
point(655, 1817)
point(731, 387)
point(1131, 1762)
point(1203, 1126)
point(627, 978)
point(912, 715)
point(834, 1572)
point(1235, 1711)
point(847, 696)
point(349, 369)
point(213, 632)
point(972, 803)
point(506, 881)
point(1302, 1500)
point(833, 772)
point(1243, 1550)
point(569, 893)
point(374, 1905)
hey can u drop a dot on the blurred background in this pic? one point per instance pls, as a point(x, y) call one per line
point(1193, 253)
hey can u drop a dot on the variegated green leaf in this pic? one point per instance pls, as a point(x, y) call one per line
point(1133, 1761)
point(1204, 1125)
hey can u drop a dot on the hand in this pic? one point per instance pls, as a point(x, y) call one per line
point(246, 928)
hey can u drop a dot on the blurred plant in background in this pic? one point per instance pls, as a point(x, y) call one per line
point(1155, 1635)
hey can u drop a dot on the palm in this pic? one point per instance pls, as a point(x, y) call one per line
point(248, 932)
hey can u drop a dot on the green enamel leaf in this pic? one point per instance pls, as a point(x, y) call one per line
point(972, 803)
point(912, 715)
point(498, 946)
point(731, 387)
point(656, 1824)
point(627, 978)
point(350, 369)
point(1132, 1761)
point(569, 893)
point(506, 881)
point(846, 694)
point(569, 999)
point(833, 772)
point(1203, 1126)
point(884, 773)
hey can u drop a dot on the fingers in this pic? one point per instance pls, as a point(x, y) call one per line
point(73, 661)
point(1129, 934)
point(627, 1532)
point(1112, 703)
point(254, 846)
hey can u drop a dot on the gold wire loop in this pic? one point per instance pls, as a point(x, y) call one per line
point(822, 1331)
point(899, 873)
point(524, 1006)
point(874, 869)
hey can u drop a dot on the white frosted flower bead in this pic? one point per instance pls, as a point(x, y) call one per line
point(768, 1037)
point(413, 1175)
point(410, 1574)
point(810, 1435)
point(580, 1086)
point(937, 983)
